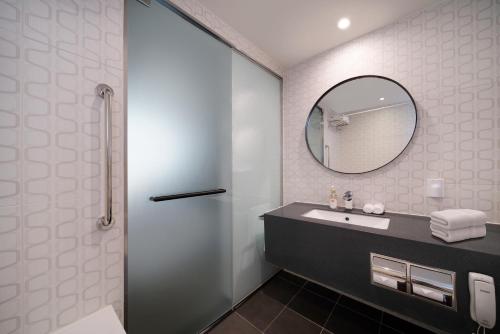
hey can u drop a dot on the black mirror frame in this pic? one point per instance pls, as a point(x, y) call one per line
point(352, 79)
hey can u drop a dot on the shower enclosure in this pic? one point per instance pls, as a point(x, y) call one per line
point(204, 162)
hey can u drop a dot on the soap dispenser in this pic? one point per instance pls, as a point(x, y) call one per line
point(333, 198)
point(348, 200)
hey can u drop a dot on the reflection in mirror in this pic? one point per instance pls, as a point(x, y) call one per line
point(361, 124)
point(315, 133)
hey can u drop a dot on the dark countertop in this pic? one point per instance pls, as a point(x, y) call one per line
point(338, 255)
point(402, 226)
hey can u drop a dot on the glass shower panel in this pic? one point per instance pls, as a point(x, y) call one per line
point(256, 169)
point(179, 274)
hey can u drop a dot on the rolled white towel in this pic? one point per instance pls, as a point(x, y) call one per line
point(368, 208)
point(378, 208)
point(454, 219)
point(458, 235)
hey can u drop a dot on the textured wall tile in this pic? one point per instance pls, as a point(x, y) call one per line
point(447, 56)
point(55, 265)
point(10, 270)
point(90, 29)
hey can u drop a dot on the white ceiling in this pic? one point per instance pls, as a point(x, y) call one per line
point(290, 31)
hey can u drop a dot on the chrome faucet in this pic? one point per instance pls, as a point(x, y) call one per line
point(347, 200)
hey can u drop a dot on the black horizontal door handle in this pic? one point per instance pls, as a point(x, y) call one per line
point(186, 195)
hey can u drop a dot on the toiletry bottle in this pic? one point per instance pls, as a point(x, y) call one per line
point(333, 198)
point(348, 204)
point(348, 200)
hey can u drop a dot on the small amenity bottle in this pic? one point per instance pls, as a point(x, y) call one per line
point(348, 200)
point(333, 198)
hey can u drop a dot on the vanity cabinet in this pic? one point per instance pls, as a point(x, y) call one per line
point(339, 256)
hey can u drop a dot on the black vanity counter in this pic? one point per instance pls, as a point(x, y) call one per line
point(407, 227)
point(338, 255)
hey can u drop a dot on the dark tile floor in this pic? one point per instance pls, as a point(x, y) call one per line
point(288, 304)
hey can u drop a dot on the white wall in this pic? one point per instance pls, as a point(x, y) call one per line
point(448, 57)
point(55, 267)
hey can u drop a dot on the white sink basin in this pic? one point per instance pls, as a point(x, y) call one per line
point(349, 218)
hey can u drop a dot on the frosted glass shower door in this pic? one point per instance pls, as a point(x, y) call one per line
point(179, 264)
point(256, 169)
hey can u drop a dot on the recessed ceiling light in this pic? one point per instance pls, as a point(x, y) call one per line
point(382, 99)
point(344, 23)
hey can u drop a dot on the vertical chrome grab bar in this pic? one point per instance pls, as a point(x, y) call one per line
point(106, 222)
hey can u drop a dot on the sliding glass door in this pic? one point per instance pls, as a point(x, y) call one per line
point(256, 169)
point(179, 272)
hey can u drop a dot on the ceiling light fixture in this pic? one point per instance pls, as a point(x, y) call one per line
point(382, 99)
point(343, 23)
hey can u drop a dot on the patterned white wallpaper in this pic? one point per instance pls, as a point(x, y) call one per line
point(55, 266)
point(448, 57)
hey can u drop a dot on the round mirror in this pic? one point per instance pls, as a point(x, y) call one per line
point(361, 124)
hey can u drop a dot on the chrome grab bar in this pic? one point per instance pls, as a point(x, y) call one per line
point(106, 222)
